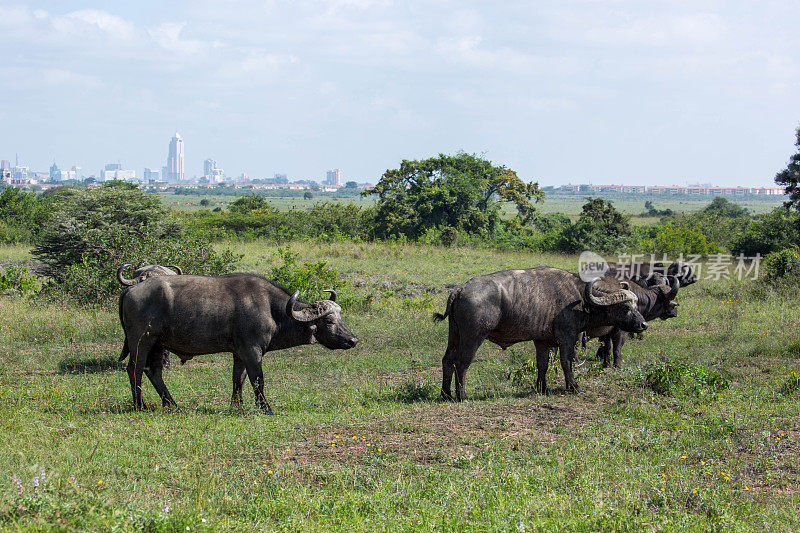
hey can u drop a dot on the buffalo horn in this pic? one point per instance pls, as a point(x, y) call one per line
point(126, 282)
point(333, 294)
point(176, 269)
point(309, 313)
point(620, 296)
point(674, 284)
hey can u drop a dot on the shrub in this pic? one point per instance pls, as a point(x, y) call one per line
point(768, 233)
point(791, 387)
point(16, 279)
point(448, 236)
point(675, 240)
point(311, 279)
point(600, 228)
point(782, 266)
point(678, 377)
point(251, 202)
point(92, 231)
point(22, 214)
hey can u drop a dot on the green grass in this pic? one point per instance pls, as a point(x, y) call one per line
point(569, 204)
point(508, 460)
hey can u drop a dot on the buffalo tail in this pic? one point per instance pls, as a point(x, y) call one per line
point(438, 317)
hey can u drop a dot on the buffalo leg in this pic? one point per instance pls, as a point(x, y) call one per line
point(466, 354)
point(567, 351)
point(604, 350)
point(153, 371)
point(619, 341)
point(139, 349)
point(239, 373)
point(449, 360)
point(542, 361)
point(252, 362)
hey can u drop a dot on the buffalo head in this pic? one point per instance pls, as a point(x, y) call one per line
point(325, 321)
point(619, 304)
point(142, 273)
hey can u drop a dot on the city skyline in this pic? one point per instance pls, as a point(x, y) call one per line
point(617, 91)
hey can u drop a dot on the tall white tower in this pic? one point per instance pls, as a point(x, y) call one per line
point(175, 159)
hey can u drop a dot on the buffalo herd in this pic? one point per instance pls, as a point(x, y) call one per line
point(163, 310)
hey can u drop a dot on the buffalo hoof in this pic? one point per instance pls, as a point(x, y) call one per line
point(447, 397)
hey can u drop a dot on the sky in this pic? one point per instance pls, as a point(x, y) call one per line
point(562, 91)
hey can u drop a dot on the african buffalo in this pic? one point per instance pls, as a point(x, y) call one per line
point(149, 271)
point(546, 305)
point(684, 272)
point(654, 300)
point(240, 313)
point(143, 273)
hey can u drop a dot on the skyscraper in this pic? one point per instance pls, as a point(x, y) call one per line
point(175, 159)
point(334, 177)
point(212, 172)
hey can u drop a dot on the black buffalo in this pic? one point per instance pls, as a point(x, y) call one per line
point(240, 313)
point(546, 305)
point(655, 296)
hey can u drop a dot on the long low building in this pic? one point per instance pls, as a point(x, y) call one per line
point(674, 189)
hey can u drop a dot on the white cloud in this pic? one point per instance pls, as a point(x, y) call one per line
point(168, 36)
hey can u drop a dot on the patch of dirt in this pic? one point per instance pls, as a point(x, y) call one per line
point(436, 434)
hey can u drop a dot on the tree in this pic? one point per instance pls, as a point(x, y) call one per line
point(92, 231)
point(308, 195)
point(721, 207)
point(251, 202)
point(600, 228)
point(790, 177)
point(205, 202)
point(351, 185)
point(461, 191)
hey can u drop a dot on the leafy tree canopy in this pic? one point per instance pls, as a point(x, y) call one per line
point(600, 228)
point(790, 177)
point(251, 202)
point(461, 191)
point(720, 206)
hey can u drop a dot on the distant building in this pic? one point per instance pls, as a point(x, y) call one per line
point(212, 173)
point(174, 169)
point(334, 177)
point(114, 171)
point(5, 165)
point(692, 190)
point(54, 172)
point(151, 175)
point(281, 178)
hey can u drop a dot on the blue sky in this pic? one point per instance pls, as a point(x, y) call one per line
point(654, 92)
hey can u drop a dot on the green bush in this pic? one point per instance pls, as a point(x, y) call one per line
point(311, 279)
point(782, 266)
point(93, 231)
point(17, 279)
point(22, 214)
point(791, 387)
point(600, 228)
point(678, 377)
point(770, 232)
point(674, 240)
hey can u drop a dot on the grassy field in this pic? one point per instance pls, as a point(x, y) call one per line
point(360, 440)
point(568, 204)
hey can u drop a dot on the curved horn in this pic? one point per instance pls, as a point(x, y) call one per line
point(619, 296)
point(674, 284)
point(125, 282)
point(333, 294)
point(309, 313)
point(176, 268)
point(625, 285)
